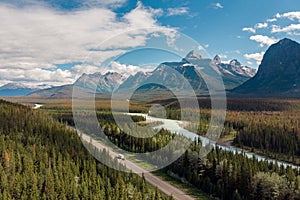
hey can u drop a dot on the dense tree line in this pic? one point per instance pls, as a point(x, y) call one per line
point(234, 176)
point(225, 175)
point(254, 105)
point(42, 159)
point(266, 126)
point(127, 136)
point(280, 140)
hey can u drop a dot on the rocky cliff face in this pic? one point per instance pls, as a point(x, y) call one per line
point(279, 73)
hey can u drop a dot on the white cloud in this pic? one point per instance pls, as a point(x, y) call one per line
point(218, 6)
point(226, 61)
point(288, 29)
point(255, 56)
point(84, 68)
point(177, 11)
point(223, 56)
point(206, 46)
point(289, 15)
point(142, 17)
point(35, 38)
point(200, 48)
point(263, 40)
point(110, 3)
point(37, 75)
point(249, 29)
point(127, 69)
point(261, 25)
point(272, 20)
point(85, 4)
point(277, 15)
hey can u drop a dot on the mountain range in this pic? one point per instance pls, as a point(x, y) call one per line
point(234, 67)
point(103, 83)
point(233, 75)
point(19, 89)
point(277, 76)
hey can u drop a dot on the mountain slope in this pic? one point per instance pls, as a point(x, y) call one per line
point(171, 74)
point(104, 84)
point(19, 89)
point(64, 91)
point(279, 73)
point(235, 68)
point(43, 159)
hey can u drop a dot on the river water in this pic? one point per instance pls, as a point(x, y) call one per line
point(175, 126)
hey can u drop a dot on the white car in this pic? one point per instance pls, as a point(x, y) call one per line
point(121, 156)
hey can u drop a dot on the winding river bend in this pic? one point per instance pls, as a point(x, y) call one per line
point(175, 126)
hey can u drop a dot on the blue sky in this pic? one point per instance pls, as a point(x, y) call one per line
point(55, 41)
point(221, 27)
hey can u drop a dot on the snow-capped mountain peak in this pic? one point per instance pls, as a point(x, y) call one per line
point(234, 68)
point(192, 55)
point(103, 83)
point(235, 62)
point(217, 59)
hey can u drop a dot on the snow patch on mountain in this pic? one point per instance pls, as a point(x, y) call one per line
point(234, 67)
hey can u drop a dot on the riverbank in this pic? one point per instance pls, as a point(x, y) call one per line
point(174, 126)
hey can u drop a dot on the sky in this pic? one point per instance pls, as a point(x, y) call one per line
point(53, 42)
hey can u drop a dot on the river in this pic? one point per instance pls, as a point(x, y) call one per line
point(175, 126)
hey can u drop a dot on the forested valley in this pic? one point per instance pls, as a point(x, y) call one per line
point(222, 174)
point(266, 126)
point(43, 159)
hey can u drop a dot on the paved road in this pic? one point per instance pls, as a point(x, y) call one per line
point(150, 178)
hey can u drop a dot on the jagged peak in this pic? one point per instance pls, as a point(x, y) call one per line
point(97, 74)
point(217, 59)
point(235, 62)
point(93, 74)
point(112, 73)
point(193, 55)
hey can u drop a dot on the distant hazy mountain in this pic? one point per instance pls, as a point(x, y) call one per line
point(104, 84)
point(234, 68)
point(279, 73)
point(233, 74)
point(19, 89)
point(64, 91)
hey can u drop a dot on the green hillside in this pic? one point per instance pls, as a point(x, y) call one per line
point(42, 159)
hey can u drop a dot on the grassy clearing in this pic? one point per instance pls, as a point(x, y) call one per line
point(187, 188)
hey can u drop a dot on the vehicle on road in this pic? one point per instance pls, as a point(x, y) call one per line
point(121, 157)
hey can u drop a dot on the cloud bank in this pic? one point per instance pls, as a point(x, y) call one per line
point(35, 38)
